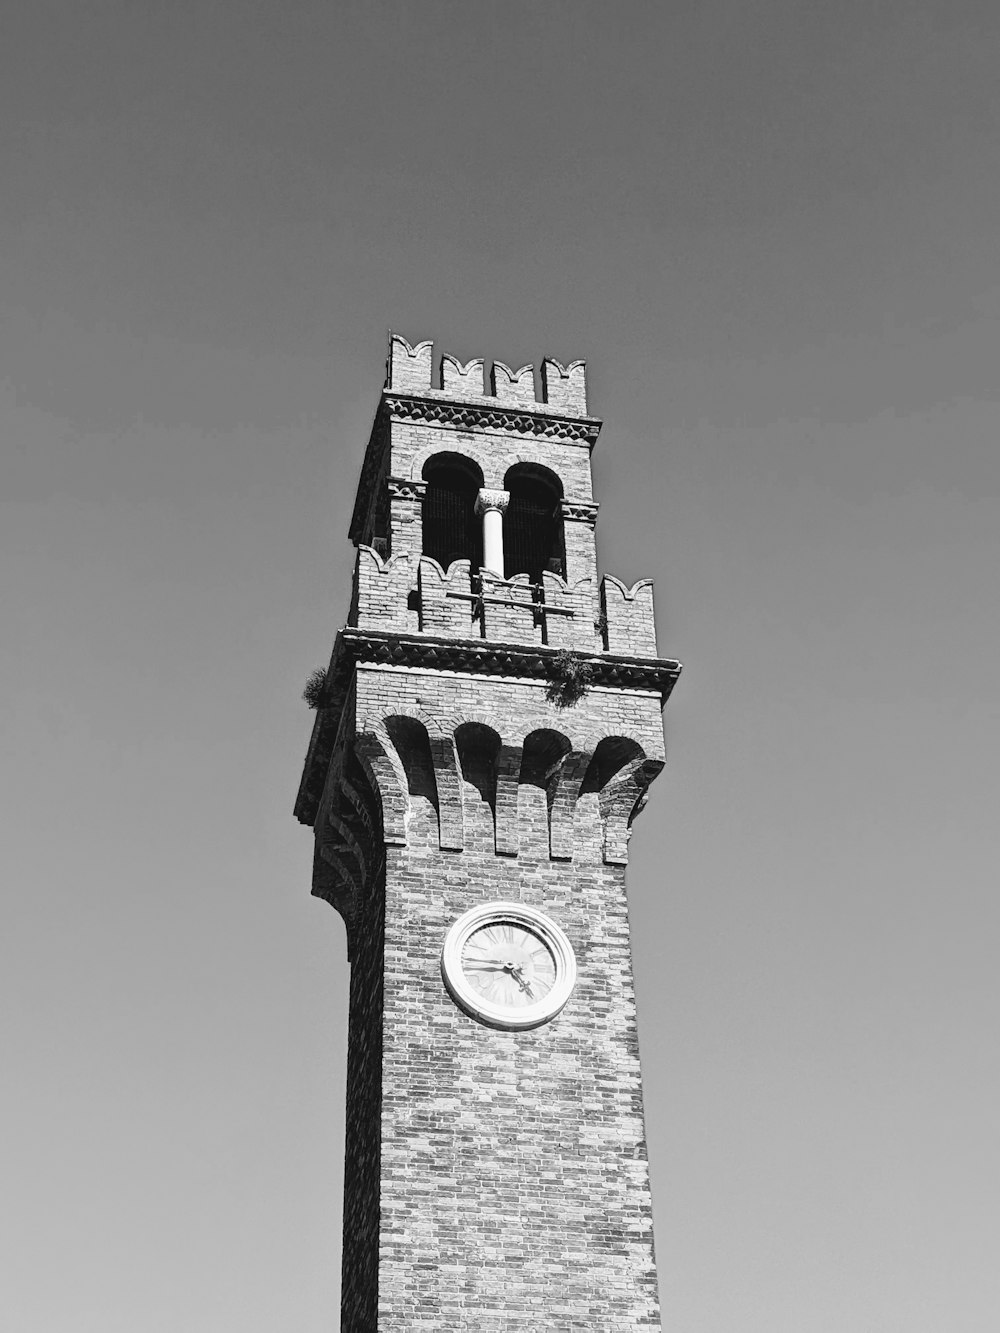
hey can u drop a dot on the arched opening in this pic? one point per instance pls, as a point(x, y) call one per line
point(612, 754)
point(451, 530)
point(478, 747)
point(532, 527)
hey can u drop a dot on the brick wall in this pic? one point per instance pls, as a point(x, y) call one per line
point(513, 1184)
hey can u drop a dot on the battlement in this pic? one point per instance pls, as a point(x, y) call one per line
point(410, 369)
point(389, 595)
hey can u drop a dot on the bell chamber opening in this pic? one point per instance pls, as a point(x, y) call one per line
point(451, 530)
point(533, 529)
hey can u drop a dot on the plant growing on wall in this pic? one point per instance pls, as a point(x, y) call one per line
point(315, 691)
point(570, 679)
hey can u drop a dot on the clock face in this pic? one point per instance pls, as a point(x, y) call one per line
point(508, 965)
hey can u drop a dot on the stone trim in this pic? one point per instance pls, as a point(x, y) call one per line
point(491, 416)
point(403, 488)
point(579, 511)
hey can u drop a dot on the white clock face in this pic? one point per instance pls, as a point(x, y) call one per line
point(508, 965)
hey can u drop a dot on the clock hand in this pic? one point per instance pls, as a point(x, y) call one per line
point(525, 985)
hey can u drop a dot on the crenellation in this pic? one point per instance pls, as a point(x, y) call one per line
point(448, 606)
point(382, 592)
point(565, 387)
point(569, 613)
point(514, 388)
point(508, 609)
point(580, 546)
point(628, 617)
point(408, 369)
point(462, 381)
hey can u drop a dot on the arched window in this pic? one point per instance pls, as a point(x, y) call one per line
point(532, 527)
point(451, 529)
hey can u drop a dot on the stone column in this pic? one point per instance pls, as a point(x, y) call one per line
point(492, 504)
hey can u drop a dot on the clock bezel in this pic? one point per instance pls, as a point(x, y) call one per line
point(498, 1015)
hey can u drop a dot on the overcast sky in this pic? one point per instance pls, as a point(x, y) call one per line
point(771, 228)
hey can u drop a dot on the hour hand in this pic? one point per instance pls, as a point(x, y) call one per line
point(525, 985)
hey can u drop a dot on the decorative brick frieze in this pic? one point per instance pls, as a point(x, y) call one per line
point(496, 418)
point(404, 488)
point(576, 511)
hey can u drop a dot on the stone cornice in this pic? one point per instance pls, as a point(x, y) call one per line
point(356, 647)
point(489, 415)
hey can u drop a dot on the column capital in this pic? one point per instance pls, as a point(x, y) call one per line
point(488, 499)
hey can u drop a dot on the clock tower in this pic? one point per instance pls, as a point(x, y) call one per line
point(486, 731)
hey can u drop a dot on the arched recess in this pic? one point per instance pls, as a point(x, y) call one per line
point(542, 758)
point(410, 742)
point(478, 746)
point(610, 756)
point(451, 530)
point(533, 527)
point(620, 774)
point(385, 775)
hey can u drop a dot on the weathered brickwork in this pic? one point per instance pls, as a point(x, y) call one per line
point(362, 1131)
point(495, 1180)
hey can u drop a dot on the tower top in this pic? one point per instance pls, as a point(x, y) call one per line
point(475, 526)
point(410, 369)
point(460, 403)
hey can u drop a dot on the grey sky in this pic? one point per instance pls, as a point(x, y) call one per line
point(771, 229)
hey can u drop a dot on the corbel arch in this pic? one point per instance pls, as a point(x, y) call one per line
point(620, 773)
point(383, 768)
